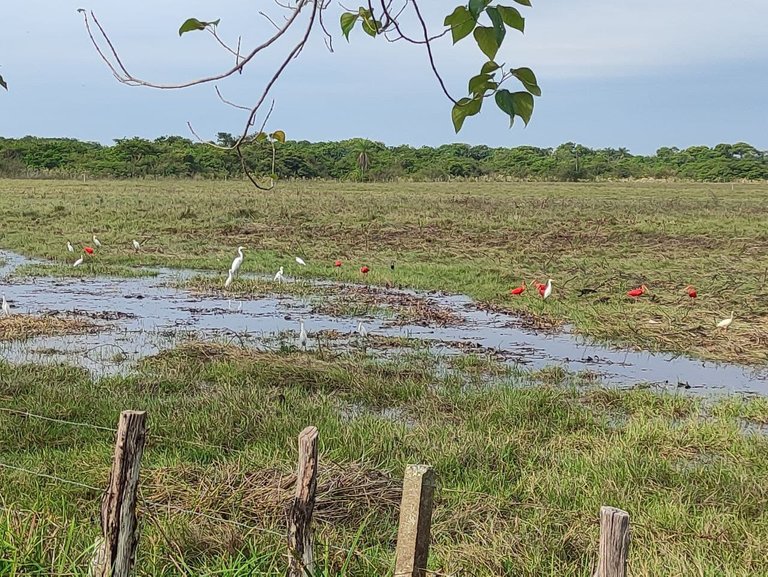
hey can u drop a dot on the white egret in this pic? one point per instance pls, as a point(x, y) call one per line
point(361, 330)
point(548, 289)
point(6, 307)
point(96, 241)
point(300, 261)
point(279, 275)
point(79, 261)
point(725, 323)
point(238, 261)
point(136, 245)
point(302, 335)
point(229, 280)
point(70, 248)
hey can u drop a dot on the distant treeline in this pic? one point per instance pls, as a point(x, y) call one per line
point(359, 159)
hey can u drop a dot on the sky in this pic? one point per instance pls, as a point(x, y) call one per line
point(638, 75)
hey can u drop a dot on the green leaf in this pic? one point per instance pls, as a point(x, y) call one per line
point(461, 22)
point(463, 108)
point(278, 135)
point(261, 137)
point(505, 102)
point(371, 27)
point(524, 2)
point(476, 7)
point(479, 84)
point(348, 20)
point(523, 104)
point(3, 83)
point(498, 24)
point(194, 24)
point(486, 40)
point(528, 78)
point(489, 67)
point(512, 17)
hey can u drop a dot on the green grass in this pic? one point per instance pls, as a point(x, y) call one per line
point(474, 238)
point(523, 469)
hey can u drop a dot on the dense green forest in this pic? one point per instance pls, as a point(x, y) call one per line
point(359, 159)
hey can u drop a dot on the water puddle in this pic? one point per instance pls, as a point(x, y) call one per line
point(146, 315)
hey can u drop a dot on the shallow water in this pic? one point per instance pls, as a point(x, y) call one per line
point(157, 317)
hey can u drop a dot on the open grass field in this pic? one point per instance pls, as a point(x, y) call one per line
point(523, 460)
point(478, 239)
point(522, 470)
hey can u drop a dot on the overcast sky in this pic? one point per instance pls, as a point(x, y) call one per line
point(613, 73)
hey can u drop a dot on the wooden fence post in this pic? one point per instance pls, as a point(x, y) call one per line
point(300, 541)
point(614, 543)
point(116, 552)
point(413, 533)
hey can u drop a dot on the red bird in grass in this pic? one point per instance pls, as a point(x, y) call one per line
point(88, 249)
point(542, 288)
point(337, 263)
point(364, 269)
point(691, 292)
point(634, 293)
point(518, 290)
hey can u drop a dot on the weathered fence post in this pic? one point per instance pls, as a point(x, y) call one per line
point(116, 553)
point(413, 533)
point(614, 543)
point(300, 541)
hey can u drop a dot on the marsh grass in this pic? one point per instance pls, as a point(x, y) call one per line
point(87, 269)
point(478, 239)
point(19, 327)
point(523, 467)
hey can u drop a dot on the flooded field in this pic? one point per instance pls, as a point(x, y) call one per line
point(138, 317)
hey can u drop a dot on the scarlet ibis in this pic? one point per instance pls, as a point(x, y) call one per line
point(634, 293)
point(238, 261)
point(725, 323)
point(300, 261)
point(96, 241)
point(229, 280)
point(136, 245)
point(6, 308)
point(547, 289)
point(279, 275)
point(302, 335)
point(70, 248)
point(337, 263)
point(691, 292)
point(79, 261)
point(88, 249)
point(364, 269)
point(361, 330)
point(518, 290)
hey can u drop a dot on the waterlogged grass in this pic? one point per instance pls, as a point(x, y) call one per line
point(523, 469)
point(87, 269)
point(17, 327)
point(474, 238)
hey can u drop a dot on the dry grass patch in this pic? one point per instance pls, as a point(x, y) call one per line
point(23, 327)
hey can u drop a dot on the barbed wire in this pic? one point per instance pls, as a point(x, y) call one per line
point(200, 444)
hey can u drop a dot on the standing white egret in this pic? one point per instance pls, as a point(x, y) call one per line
point(79, 261)
point(548, 289)
point(279, 275)
point(361, 330)
point(725, 323)
point(6, 308)
point(229, 280)
point(238, 261)
point(136, 245)
point(70, 248)
point(96, 241)
point(302, 335)
point(300, 261)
